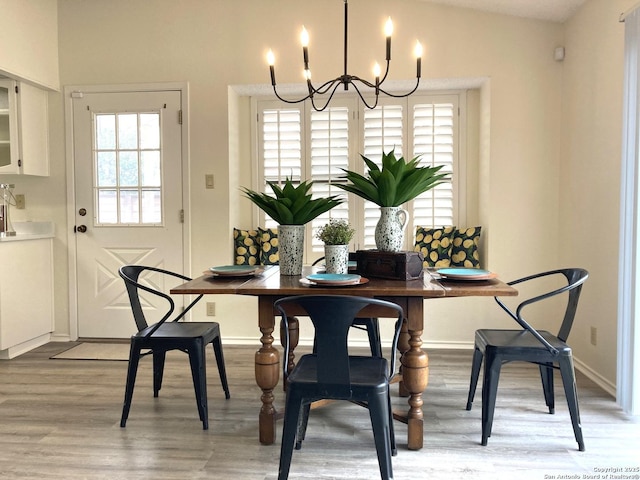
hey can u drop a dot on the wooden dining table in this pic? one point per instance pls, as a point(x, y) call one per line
point(269, 286)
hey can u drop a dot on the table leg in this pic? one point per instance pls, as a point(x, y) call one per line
point(415, 373)
point(267, 367)
point(294, 337)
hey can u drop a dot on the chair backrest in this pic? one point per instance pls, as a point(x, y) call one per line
point(332, 316)
point(574, 278)
point(131, 276)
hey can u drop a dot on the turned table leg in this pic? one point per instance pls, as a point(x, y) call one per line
point(267, 367)
point(415, 372)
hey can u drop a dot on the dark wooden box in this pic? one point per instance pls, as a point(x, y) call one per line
point(392, 265)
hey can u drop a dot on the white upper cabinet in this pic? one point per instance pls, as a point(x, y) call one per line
point(24, 132)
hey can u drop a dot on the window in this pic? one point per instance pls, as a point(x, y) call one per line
point(302, 144)
point(127, 169)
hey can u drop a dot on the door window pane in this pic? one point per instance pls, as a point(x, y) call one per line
point(127, 162)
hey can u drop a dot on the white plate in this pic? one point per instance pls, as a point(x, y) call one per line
point(309, 283)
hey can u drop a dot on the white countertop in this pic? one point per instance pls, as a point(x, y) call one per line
point(30, 231)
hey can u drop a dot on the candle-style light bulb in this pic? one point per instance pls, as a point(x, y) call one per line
point(376, 70)
point(388, 30)
point(271, 60)
point(418, 53)
point(304, 40)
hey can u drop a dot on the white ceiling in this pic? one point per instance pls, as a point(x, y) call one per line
point(551, 10)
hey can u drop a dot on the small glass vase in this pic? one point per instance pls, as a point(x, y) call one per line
point(336, 258)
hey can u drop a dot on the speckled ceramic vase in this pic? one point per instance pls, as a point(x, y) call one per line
point(389, 233)
point(336, 258)
point(291, 248)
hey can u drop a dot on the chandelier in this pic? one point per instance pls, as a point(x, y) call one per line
point(328, 89)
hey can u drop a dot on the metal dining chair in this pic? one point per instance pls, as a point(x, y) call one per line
point(527, 344)
point(169, 334)
point(331, 373)
point(367, 324)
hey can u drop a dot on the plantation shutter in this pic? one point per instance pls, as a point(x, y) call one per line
point(329, 154)
point(282, 133)
point(434, 130)
point(383, 130)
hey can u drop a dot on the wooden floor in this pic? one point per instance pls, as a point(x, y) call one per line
point(59, 419)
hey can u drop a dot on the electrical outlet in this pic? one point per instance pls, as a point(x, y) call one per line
point(211, 309)
point(20, 201)
point(594, 336)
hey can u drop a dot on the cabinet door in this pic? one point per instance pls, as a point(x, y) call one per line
point(24, 129)
point(33, 130)
point(9, 151)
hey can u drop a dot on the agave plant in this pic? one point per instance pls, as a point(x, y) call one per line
point(397, 182)
point(292, 205)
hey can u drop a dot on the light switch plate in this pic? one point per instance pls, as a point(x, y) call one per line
point(20, 201)
point(208, 180)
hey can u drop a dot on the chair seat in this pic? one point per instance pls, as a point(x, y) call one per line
point(365, 372)
point(173, 330)
point(519, 341)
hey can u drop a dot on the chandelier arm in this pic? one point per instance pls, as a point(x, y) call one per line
point(326, 86)
point(386, 72)
point(290, 101)
point(335, 87)
point(404, 94)
point(370, 107)
point(367, 83)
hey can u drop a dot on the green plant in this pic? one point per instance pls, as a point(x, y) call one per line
point(397, 182)
point(291, 205)
point(336, 232)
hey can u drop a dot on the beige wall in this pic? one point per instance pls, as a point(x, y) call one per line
point(544, 127)
point(29, 39)
point(590, 171)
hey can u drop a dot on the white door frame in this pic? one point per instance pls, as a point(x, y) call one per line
point(69, 91)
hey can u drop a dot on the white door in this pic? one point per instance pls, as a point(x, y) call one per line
point(128, 210)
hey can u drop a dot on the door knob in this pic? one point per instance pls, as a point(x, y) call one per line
point(81, 228)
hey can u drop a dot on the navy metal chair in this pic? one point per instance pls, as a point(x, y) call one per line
point(368, 324)
point(169, 334)
point(331, 373)
point(527, 344)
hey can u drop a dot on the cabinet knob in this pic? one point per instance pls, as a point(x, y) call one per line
point(81, 228)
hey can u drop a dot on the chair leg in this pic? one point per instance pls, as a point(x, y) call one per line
point(492, 365)
point(569, 382)
point(158, 370)
point(132, 370)
point(379, 413)
point(199, 374)
point(303, 421)
point(475, 373)
point(289, 429)
point(373, 332)
point(217, 349)
point(546, 374)
point(392, 435)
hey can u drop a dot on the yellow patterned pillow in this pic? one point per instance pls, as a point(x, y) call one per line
point(246, 247)
point(465, 248)
point(269, 246)
point(435, 245)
